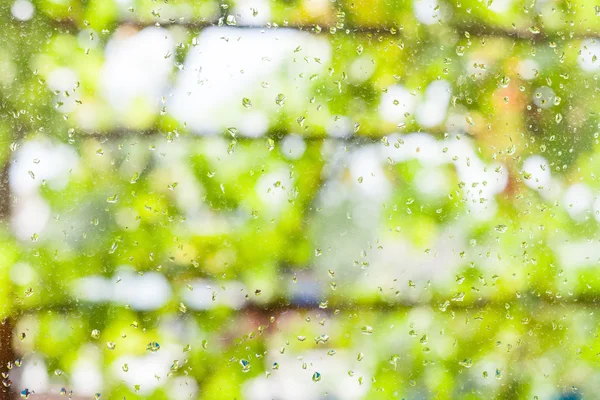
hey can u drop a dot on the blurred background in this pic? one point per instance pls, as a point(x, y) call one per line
point(299, 199)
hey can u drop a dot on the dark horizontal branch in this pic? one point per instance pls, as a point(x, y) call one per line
point(475, 28)
point(359, 138)
point(70, 26)
point(479, 29)
point(278, 306)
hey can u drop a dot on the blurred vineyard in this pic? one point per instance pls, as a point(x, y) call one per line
point(299, 199)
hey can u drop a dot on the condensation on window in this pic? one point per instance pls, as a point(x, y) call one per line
point(299, 199)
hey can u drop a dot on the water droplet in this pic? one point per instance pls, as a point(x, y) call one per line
point(246, 102)
point(245, 365)
point(232, 131)
point(112, 199)
point(270, 144)
point(367, 330)
point(458, 296)
point(231, 21)
point(321, 339)
point(504, 81)
point(316, 377)
point(96, 334)
point(111, 345)
point(153, 347)
point(280, 99)
point(501, 228)
point(558, 118)
point(25, 393)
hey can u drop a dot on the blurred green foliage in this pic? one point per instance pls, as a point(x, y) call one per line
point(514, 318)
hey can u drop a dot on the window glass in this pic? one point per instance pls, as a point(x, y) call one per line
point(299, 199)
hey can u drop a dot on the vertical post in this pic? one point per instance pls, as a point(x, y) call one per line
point(7, 353)
point(6, 357)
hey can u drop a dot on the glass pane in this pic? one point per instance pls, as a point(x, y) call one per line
point(299, 199)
